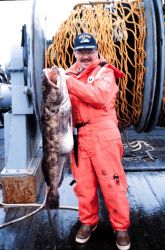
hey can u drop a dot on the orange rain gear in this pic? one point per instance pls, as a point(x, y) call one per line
point(93, 93)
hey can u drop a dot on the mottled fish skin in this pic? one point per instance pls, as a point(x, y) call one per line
point(57, 133)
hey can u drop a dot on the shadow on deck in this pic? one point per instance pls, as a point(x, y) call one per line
point(55, 230)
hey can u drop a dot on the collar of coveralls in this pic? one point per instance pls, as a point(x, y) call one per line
point(100, 63)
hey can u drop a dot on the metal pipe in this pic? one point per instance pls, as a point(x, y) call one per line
point(97, 2)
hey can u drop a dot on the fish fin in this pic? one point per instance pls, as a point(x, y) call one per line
point(62, 177)
point(63, 161)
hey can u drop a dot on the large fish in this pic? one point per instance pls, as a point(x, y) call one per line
point(56, 132)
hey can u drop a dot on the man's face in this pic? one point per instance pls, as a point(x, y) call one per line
point(85, 57)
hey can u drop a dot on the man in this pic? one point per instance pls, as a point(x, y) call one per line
point(92, 88)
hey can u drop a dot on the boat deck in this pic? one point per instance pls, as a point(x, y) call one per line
point(55, 230)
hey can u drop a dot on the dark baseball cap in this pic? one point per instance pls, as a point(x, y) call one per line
point(84, 41)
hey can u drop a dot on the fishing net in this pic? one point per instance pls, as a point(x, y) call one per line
point(120, 30)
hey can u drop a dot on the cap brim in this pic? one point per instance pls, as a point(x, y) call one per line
point(85, 47)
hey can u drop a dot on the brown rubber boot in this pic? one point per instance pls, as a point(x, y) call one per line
point(122, 240)
point(84, 233)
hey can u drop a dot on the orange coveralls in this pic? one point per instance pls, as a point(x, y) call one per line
point(93, 94)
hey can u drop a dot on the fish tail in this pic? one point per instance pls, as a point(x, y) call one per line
point(52, 200)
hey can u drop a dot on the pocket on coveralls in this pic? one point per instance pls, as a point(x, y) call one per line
point(110, 141)
point(112, 134)
point(109, 134)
